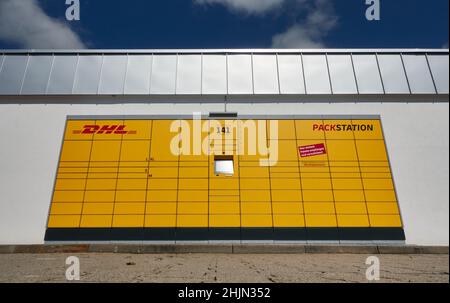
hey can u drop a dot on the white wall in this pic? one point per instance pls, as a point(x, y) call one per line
point(417, 136)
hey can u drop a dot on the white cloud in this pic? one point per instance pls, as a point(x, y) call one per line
point(310, 33)
point(297, 36)
point(24, 23)
point(247, 6)
point(318, 16)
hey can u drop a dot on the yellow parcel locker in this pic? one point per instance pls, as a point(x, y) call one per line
point(192, 208)
point(288, 221)
point(76, 151)
point(101, 184)
point(96, 221)
point(131, 196)
point(224, 221)
point(353, 221)
point(385, 220)
point(309, 130)
point(160, 221)
point(129, 208)
point(286, 129)
point(163, 172)
point(138, 151)
point(162, 195)
point(194, 172)
point(371, 150)
point(99, 196)
point(192, 221)
point(351, 208)
point(193, 195)
point(68, 196)
point(348, 184)
point(224, 208)
point(159, 184)
point(378, 184)
point(66, 208)
point(98, 208)
point(64, 221)
point(262, 183)
point(316, 183)
point(318, 208)
point(137, 178)
point(283, 183)
point(349, 195)
point(286, 208)
point(341, 150)
point(161, 208)
point(380, 196)
point(165, 143)
point(193, 184)
point(131, 184)
point(286, 195)
point(255, 195)
point(106, 151)
point(320, 220)
point(383, 208)
point(128, 221)
point(256, 208)
point(256, 220)
point(70, 184)
point(287, 150)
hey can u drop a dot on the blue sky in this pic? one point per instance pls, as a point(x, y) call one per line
point(224, 24)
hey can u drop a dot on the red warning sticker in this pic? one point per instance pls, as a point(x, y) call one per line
point(312, 150)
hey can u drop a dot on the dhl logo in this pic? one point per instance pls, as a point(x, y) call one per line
point(104, 129)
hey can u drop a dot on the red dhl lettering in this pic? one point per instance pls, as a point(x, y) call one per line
point(104, 129)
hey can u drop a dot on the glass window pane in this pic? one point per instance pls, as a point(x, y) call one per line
point(342, 75)
point(419, 75)
point(189, 74)
point(138, 75)
point(163, 74)
point(62, 75)
point(37, 75)
point(291, 74)
point(266, 74)
point(113, 75)
point(12, 73)
point(88, 75)
point(393, 74)
point(240, 80)
point(316, 74)
point(367, 74)
point(439, 68)
point(214, 74)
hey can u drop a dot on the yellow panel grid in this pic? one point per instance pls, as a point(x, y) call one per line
point(161, 174)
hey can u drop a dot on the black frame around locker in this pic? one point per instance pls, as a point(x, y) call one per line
point(226, 234)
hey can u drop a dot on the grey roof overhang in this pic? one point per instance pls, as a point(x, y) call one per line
point(284, 74)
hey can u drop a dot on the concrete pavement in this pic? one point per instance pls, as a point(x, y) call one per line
point(241, 268)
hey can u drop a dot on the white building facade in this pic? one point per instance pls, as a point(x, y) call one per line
point(407, 89)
